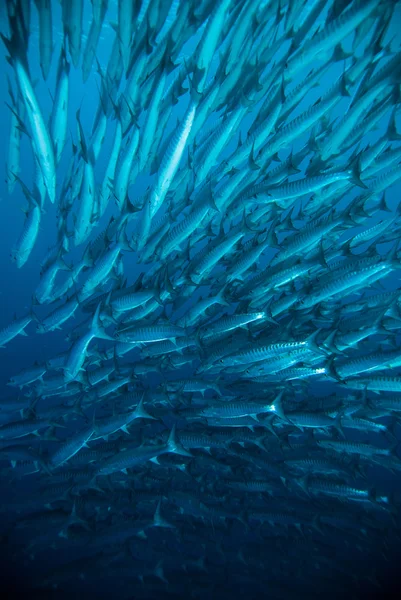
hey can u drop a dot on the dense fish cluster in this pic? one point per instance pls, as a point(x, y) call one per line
point(222, 421)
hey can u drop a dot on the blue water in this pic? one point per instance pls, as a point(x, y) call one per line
point(279, 555)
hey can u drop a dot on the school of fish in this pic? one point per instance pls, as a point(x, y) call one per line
point(225, 415)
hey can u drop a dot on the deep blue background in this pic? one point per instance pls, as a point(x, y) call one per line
point(17, 286)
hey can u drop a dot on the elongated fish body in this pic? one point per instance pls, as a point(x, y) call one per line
point(126, 24)
point(202, 112)
point(348, 340)
point(159, 229)
point(293, 97)
point(77, 354)
point(43, 292)
point(374, 361)
point(236, 409)
point(28, 376)
point(28, 236)
point(126, 165)
point(306, 238)
point(193, 385)
point(77, 177)
point(114, 71)
point(142, 13)
point(371, 232)
point(240, 32)
point(43, 147)
point(229, 323)
point(279, 276)
point(103, 428)
point(83, 222)
point(304, 186)
point(333, 144)
point(59, 316)
point(127, 300)
point(132, 89)
point(39, 186)
point(107, 185)
point(331, 35)
point(256, 140)
point(73, 27)
point(152, 114)
point(338, 490)
point(168, 22)
point(211, 258)
point(22, 428)
point(376, 383)
point(383, 160)
point(107, 426)
point(313, 420)
point(345, 282)
point(44, 8)
point(261, 353)
point(363, 424)
point(171, 160)
point(291, 373)
point(275, 364)
point(13, 155)
point(224, 253)
point(353, 447)
point(218, 141)
point(370, 118)
point(98, 135)
point(109, 387)
point(131, 458)
point(142, 311)
point(378, 185)
point(168, 346)
point(14, 328)
point(195, 313)
point(209, 42)
point(92, 40)
point(391, 403)
point(145, 223)
point(183, 230)
point(60, 110)
point(100, 272)
point(157, 333)
point(297, 126)
point(62, 289)
point(97, 375)
point(70, 448)
point(318, 464)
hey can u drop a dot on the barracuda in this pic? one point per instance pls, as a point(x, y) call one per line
point(14, 144)
point(225, 236)
point(43, 147)
point(136, 456)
